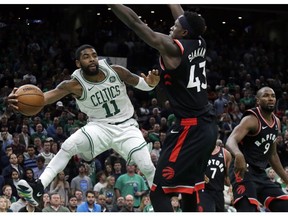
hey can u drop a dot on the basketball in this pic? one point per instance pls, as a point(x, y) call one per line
point(30, 100)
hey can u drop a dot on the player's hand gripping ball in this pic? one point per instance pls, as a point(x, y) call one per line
point(30, 100)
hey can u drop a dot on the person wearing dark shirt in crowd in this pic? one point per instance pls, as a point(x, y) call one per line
point(253, 145)
point(13, 164)
point(128, 204)
point(187, 146)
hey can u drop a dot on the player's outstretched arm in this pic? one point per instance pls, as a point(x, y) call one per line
point(145, 83)
point(64, 88)
point(176, 10)
point(163, 43)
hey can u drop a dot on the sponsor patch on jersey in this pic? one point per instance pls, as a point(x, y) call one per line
point(112, 79)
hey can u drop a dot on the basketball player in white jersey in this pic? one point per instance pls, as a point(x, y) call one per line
point(100, 92)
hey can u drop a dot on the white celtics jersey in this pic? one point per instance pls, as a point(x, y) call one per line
point(105, 101)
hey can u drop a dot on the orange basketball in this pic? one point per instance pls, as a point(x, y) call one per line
point(30, 100)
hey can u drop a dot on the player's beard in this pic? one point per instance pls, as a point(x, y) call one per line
point(268, 108)
point(90, 72)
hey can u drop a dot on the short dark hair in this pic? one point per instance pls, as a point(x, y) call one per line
point(89, 191)
point(79, 50)
point(197, 23)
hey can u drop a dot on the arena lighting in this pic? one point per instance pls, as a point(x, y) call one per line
point(152, 12)
point(109, 9)
point(27, 8)
point(223, 22)
point(239, 17)
point(98, 14)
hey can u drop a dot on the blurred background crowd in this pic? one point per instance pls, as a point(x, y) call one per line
point(246, 50)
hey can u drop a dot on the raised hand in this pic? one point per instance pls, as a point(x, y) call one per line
point(153, 77)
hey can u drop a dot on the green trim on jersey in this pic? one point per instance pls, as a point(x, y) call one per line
point(134, 150)
point(113, 71)
point(84, 93)
point(90, 140)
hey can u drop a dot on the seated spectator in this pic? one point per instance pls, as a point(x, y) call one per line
point(55, 204)
point(29, 175)
point(30, 208)
point(30, 157)
point(89, 205)
point(47, 154)
point(118, 205)
point(13, 164)
point(145, 205)
point(45, 201)
point(128, 204)
point(109, 192)
point(7, 192)
point(13, 181)
point(40, 167)
point(101, 200)
point(39, 132)
point(17, 147)
point(4, 204)
point(175, 204)
point(72, 204)
point(79, 196)
point(5, 155)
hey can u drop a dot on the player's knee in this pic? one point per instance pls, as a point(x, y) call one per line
point(148, 169)
point(69, 147)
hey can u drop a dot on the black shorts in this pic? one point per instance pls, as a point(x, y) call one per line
point(184, 155)
point(256, 186)
point(212, 201)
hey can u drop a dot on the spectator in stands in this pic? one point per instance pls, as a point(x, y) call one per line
point(30, 157)
point(30, 208)
point(282, 104)
point(7, 192)
point(145, 205)
point(219, 104)
point(17, 147)
point(79, 195)
point(13, 164)
point(176, 204)
point(39, 132)
point(101, 182)
point(72, 204)
point(89, 205)
point(55, 204)
point(60, 137)
point(118, 205)
point(51, 130)
point(117, 169)
point(13, 181)
point(24, 137)
point(40, 161)
point(38, 145)
point(136, 187)
point(101, 200)
point(61, 186)
point(4, 204)
point(81, 182)
point(109, 192)
point(5, 139)
point(29, 175)
point(128, 204)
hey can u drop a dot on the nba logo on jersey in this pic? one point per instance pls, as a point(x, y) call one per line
point(221, 155)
